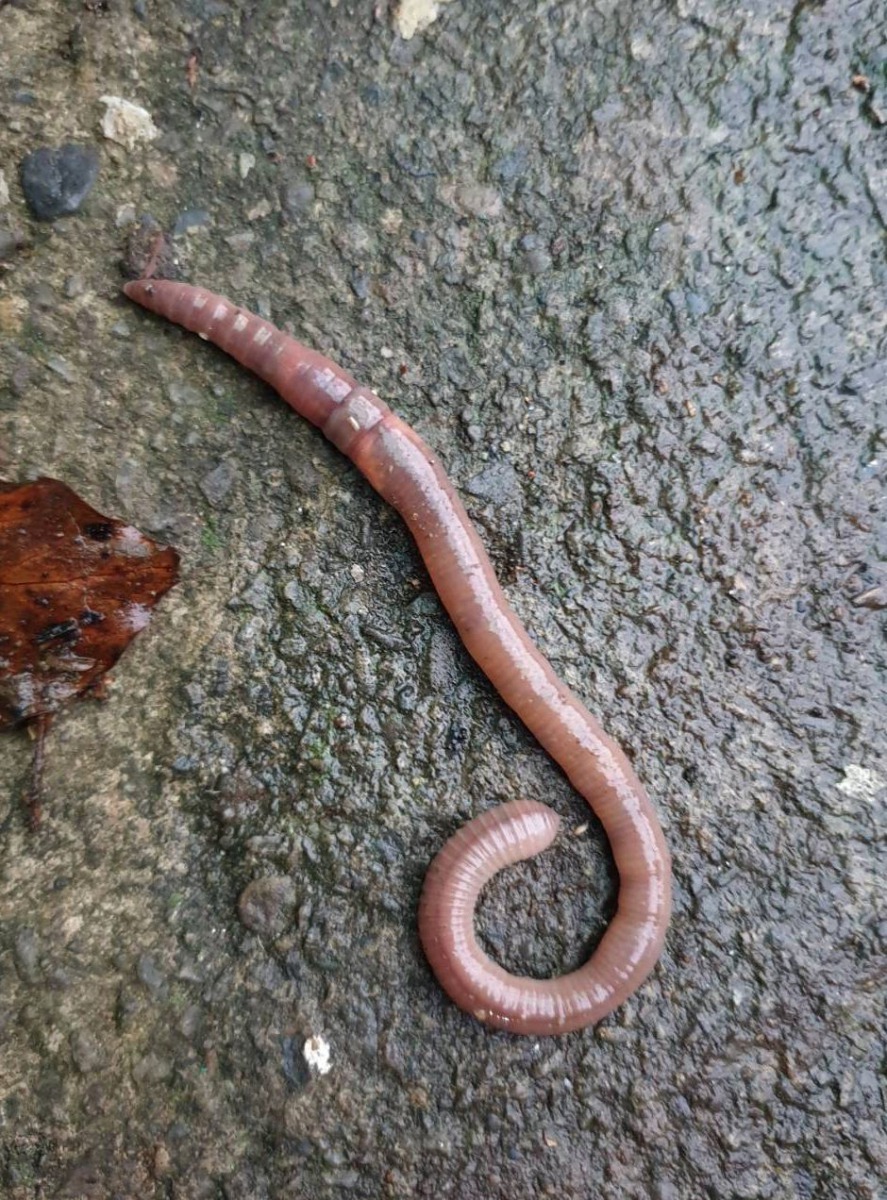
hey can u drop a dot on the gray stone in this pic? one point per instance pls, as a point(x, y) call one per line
point(56, 181)
point(218, 483)
point(266, 905)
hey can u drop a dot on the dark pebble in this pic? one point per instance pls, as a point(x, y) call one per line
point(372, 94)
point(57, 181)
point(265, 905)
point(360, 285)
point(293, 1064)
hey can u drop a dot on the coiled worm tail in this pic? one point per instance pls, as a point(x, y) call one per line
point(409, 476)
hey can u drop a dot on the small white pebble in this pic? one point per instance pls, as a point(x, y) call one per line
point(127, 123)
point(861, 783)
point(260, 210)
point(391, 220)
point(357, 573)
point(412, 16)
point(317, 1054)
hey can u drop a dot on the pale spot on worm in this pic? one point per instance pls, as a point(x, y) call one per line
point(354, 423)
point(262, 335)
point(199, 300)
point(219, 311)
point(240, 323)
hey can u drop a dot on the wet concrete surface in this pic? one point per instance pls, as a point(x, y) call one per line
point(623, 266)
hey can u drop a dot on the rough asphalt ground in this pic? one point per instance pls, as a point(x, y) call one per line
point(623, 265)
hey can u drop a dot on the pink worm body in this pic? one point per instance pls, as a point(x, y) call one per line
point(409, 476)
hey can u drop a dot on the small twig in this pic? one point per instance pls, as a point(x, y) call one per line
point(158, 244)
point(34, 795)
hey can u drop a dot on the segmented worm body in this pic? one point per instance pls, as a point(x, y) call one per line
point(409, 476)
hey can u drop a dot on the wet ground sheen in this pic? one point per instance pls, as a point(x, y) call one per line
point(623, 266)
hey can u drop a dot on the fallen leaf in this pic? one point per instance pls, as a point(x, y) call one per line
point(75, 589)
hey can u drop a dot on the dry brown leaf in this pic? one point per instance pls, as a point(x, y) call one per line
point(75, 589)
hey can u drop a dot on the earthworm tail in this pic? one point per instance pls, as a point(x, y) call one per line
point(409, 476)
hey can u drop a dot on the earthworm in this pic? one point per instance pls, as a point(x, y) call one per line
point(409, 476)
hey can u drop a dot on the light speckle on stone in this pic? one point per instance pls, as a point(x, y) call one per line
point(391, 220)
point(861, 783)
point(13, 310)
point(260, 210)
point(412, 16)
point(473, 198)
point(317, 1054)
